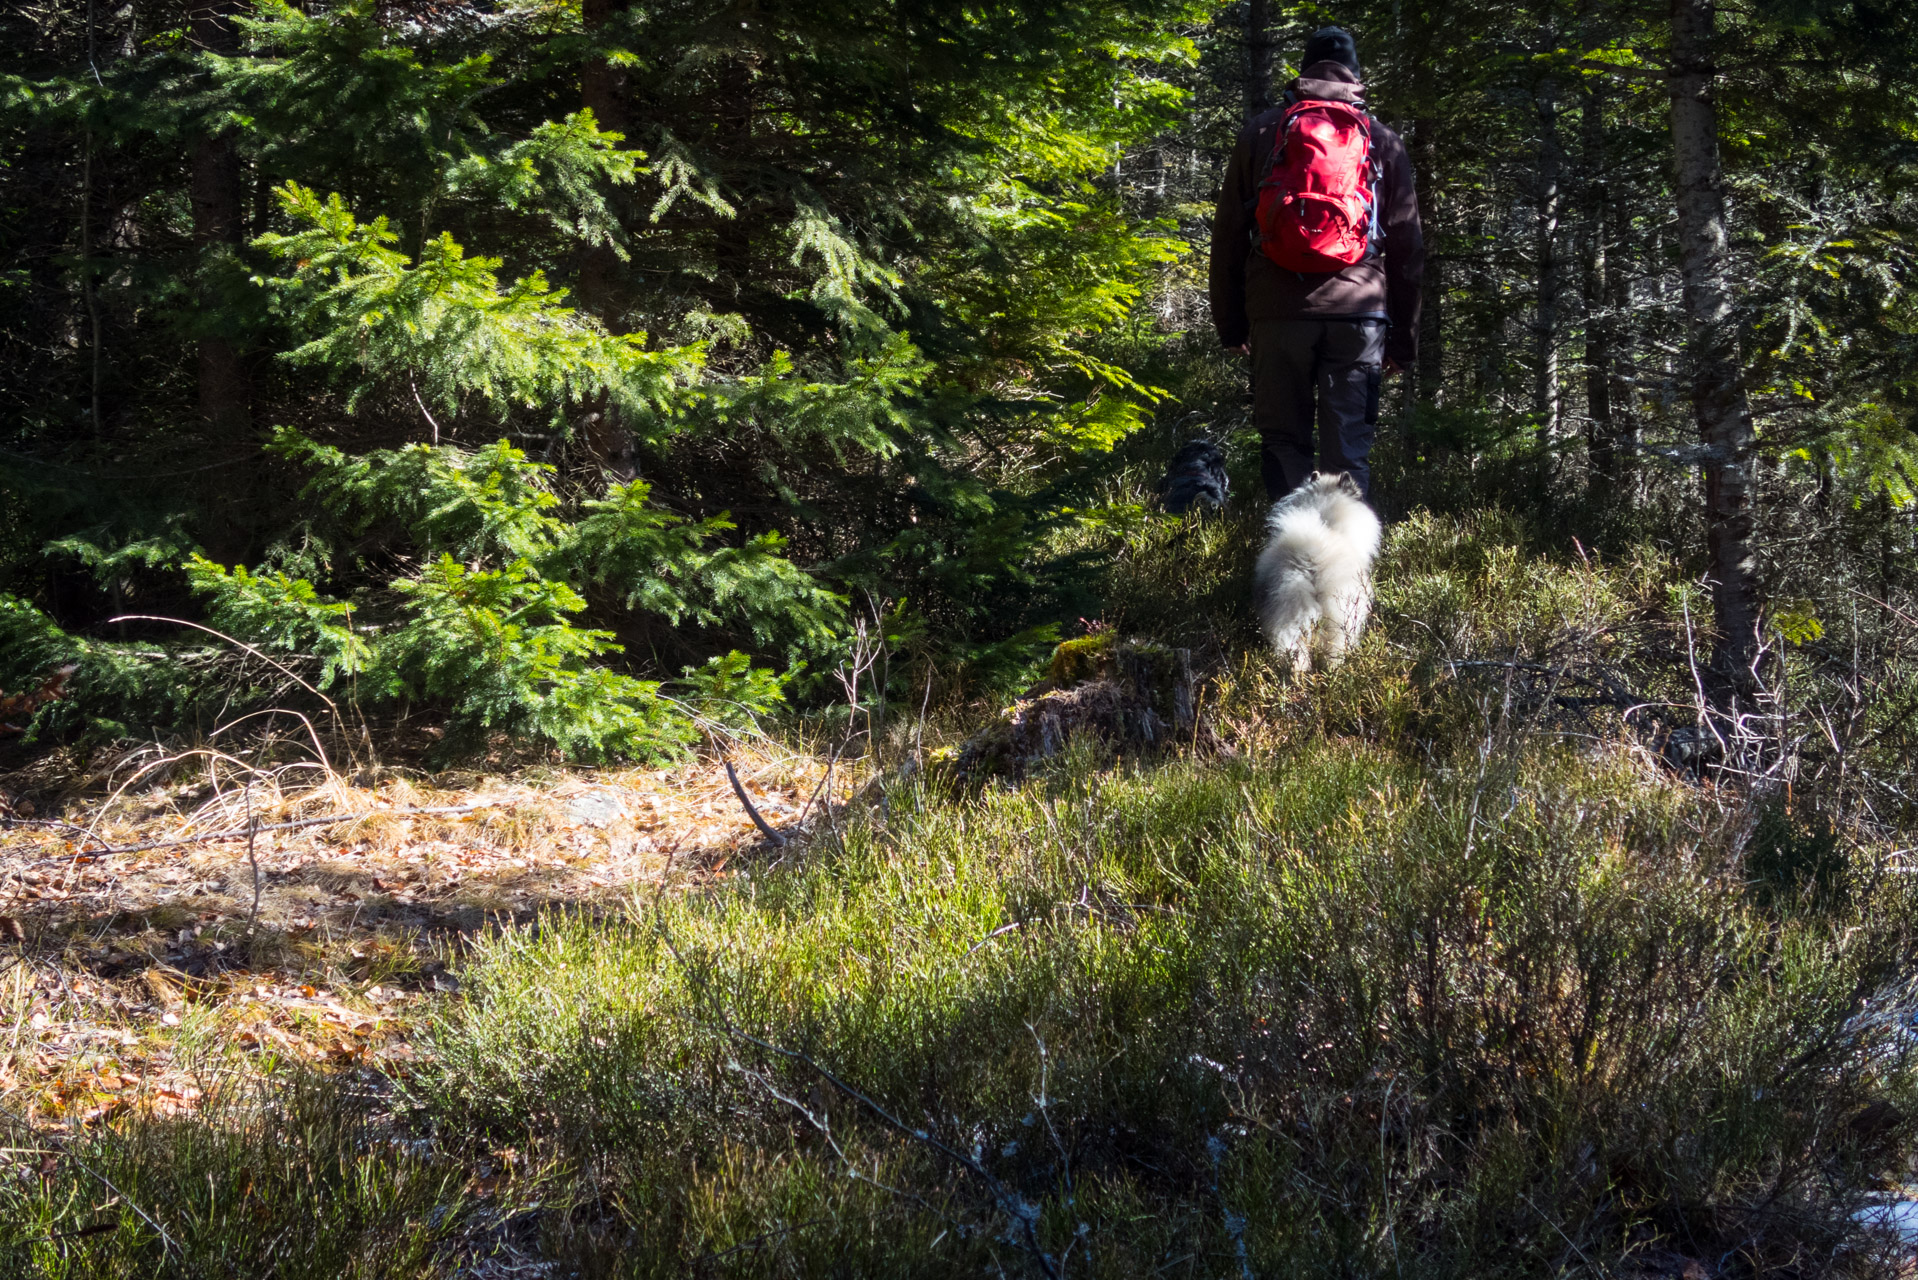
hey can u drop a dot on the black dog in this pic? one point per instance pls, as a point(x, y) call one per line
point(1195, 477)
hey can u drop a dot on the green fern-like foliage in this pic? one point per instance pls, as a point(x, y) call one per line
point(445, 326)
point(862, 345)
point(661, 563)
point(281, 612)
point(488, 628)
point(498, 649)
point(119, 687)
point(730, 690)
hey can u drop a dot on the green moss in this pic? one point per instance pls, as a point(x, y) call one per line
point(1077, 661)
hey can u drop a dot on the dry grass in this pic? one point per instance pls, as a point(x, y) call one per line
point(144, 980)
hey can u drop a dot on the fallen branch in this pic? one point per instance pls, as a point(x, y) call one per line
point(755, 1241)
point(1013, 1205)
point(166, 1239)
point(779, 840)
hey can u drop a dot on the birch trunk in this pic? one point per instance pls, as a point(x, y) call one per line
point(1718, 391)
point(1545, 392)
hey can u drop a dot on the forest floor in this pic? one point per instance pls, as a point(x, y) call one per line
point(1416, 964)
point(141, 928)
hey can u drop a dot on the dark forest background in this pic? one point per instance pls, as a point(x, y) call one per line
point(552, 370)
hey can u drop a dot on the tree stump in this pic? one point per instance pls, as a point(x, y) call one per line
point(1126, 696)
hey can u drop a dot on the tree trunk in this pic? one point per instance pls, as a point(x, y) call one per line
point(603, 92)
point(1258, 56)
point(215, 193)
point(1431, 370)
point(1624, 390)
point(89, 288)
point(1545, 392)
point(1718, 388)
point(1600, 432)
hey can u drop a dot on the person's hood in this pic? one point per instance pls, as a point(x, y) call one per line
point(1329, 82)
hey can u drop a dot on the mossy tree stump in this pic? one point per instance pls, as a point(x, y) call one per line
point(1124, 695)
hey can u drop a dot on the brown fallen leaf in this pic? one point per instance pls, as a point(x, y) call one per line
point(106, 1109)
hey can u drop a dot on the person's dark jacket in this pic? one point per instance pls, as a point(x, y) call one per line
point(1248, 286)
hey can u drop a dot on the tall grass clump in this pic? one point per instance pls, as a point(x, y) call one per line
point(1325, 1014)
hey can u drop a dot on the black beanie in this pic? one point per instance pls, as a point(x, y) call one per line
point(1331, 44)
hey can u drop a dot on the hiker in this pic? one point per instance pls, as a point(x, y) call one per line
point(1316, 263)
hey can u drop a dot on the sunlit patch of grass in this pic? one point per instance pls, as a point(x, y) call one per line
point(1470, 632)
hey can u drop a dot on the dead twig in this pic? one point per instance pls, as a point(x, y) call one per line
point(1004, 928)
point(66, 1151)
point(284, 670)
point(252, 838)
point(1013, 1205)
point(763, 1237)
point(1023, 1214)
point(765, 829)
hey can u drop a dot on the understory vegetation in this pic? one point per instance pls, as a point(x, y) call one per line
point(1420, 976)
point(401, 391)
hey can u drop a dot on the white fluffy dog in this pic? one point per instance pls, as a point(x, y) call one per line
point(1314, 580)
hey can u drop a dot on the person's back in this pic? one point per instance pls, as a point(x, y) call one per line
point(1333, 331)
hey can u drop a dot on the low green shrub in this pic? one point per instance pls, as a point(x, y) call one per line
point(1328, 1014)
point(478, 624)
point(1417, 982)
point(302, 1182)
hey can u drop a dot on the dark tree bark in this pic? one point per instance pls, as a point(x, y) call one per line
point(1258, 56)
point(1600, 429)
point(89, 288)
point(1624, 389)
point(603, 91)
point(1431, 370)
point(216, 195)
point(1545, 389)
point(1718, 389)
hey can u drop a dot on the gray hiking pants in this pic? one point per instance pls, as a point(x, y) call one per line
point(1339, 361)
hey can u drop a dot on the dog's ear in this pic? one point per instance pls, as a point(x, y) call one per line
point(1348, 485)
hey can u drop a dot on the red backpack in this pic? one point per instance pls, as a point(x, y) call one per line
point(1318, 201)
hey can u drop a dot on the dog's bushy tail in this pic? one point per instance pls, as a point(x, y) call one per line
point(1314, 578)
point(1289, 612)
